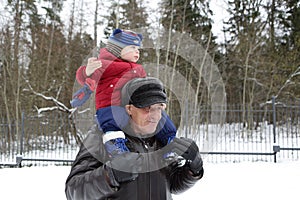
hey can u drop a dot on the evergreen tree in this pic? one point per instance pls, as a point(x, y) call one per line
point(280, 50)
point(190, 16)
point(15, 56)
point(288, 48)
point(134, 15)
point(127, 14)
point(244, 52)
point(46, 70)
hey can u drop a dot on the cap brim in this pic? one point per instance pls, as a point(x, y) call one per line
point(148, 102)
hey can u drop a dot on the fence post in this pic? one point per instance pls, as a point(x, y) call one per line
point(274, 126)
point(186, 117)
point(19, 157)
point(22, 135)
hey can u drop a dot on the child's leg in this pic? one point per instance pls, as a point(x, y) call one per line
point(166, 129)
point(111, 120)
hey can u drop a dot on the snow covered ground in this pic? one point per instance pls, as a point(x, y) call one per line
point(226, 181)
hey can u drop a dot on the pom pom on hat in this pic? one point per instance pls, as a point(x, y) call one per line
point(122, 38)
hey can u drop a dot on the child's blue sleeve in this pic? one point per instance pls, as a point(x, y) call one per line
point(166, 129)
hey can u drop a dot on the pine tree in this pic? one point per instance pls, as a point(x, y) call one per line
point(245, 66)
point(288, 48)
point(128, 15)
point(190, 16)
point(244, 50)
point(134, 15)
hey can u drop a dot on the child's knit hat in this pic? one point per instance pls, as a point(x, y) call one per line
point(122, 38)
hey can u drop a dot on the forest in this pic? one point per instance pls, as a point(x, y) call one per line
point(42, 44)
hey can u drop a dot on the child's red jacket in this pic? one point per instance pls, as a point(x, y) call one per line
point(110, 78)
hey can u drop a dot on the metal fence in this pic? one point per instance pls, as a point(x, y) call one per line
point(262, 133)
point(40, 139)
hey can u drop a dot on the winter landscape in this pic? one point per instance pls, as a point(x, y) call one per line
point(247, 178)
point(227, 180)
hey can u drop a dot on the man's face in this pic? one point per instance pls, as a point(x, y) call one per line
point(145, 120)
point(130, 53)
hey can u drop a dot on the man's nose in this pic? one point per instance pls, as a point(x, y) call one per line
point(155, 114)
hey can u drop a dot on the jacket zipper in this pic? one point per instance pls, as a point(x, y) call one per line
point(146, 148)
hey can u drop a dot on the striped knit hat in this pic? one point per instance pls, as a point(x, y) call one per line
point(122, 38)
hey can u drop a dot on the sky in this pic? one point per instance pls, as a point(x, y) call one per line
point(219, 16)
point(226, 181)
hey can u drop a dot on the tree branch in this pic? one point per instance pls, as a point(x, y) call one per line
point(59, 105)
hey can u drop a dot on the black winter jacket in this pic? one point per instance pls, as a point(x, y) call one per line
point(87, 177)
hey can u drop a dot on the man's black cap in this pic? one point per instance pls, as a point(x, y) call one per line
point(143, 92)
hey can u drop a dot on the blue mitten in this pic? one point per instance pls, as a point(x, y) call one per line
point(81, 96)
point(84, 93)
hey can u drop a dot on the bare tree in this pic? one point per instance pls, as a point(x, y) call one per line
point(58, 105)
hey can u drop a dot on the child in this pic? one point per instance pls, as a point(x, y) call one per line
point(115, 66)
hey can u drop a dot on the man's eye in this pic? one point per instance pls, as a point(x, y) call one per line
point(147, 109)
point(160, 108)
point(157, 108)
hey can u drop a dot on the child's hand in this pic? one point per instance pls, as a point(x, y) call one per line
point(93, 64)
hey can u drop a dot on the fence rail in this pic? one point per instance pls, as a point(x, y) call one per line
point(268, 133)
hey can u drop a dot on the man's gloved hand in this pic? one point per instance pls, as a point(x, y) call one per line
point(189, 150)
point(83, 94)
point(123, 168)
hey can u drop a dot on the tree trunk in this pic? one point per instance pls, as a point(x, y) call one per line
point(96, 23)
point(16, 68)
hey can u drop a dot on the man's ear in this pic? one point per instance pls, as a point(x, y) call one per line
point(128, 109)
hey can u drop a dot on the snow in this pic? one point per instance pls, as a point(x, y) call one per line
point(228, 181)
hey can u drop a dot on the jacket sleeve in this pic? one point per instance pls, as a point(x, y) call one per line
point(81, 75)
point(181, 178)
point(87, 179)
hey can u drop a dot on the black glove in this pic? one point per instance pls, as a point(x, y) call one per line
point(189, 150)
point(123, 168)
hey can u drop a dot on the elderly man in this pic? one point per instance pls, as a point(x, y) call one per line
point(147, 171)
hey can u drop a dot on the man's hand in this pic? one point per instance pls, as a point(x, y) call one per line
point(92, 65)
point(189, 150)
point(123, 168)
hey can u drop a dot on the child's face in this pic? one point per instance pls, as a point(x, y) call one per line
point(130, 53)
